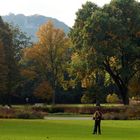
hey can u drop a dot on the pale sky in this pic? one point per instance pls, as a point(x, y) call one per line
point(63, 10)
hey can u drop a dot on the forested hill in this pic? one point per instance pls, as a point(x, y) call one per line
point(30, 24)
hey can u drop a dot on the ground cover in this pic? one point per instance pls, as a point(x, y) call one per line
point(67, 130)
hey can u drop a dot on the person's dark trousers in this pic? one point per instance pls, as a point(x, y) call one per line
point(97, 127)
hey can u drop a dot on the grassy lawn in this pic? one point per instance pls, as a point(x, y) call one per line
point(67, 130)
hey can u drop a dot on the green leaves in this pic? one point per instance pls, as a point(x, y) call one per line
point(113, 33)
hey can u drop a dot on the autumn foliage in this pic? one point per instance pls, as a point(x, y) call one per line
point(46, 60)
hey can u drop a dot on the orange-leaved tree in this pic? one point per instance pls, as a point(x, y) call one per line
point(48, 57)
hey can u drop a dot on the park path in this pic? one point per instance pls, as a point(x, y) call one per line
point(67, 118)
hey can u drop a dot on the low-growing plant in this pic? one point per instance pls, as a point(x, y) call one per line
point(29, 115)
point(7, 112)
point(112, 98)
point(86, 99)
point(115, 116)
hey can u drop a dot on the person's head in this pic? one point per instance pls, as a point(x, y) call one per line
point(98, 108)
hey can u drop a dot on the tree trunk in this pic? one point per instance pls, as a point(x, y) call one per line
point(54, 90)
point(53, 97)
point(124, 95)
point(122, 85)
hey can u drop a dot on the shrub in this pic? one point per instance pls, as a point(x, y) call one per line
point(133, 112)
point(54, 109)
point(41, 108)
point(112, 98)
point(7, 113)
point(86, 99)
point(29, 115)
point(115, 116)
point(23, 115)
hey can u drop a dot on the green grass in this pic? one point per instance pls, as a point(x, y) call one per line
point(67, 130)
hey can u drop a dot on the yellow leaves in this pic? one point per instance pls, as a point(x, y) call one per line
point(44, 90)
point(49, 36)
point(77, 60)
point(30, 74)
point(138, 34)
point(37, 55)
point(32, 53)
point(112, 35)
point(88, 80)
point(75, 57)
point(52, 43)
point(113, 61)
point(134, 87)
point(86, 83)
point(112, 98)
point(68, 84)
point(47, 56)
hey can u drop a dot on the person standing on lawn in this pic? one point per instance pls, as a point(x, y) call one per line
point(97, 116)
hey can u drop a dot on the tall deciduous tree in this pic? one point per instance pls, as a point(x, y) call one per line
point(20, 41)
point(48, 56)
point(113, 32)
point(86, 67)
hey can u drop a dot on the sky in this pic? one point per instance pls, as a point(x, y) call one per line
point(63, 10)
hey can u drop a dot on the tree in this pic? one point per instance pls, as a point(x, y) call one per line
point(84, 56)
point(20, 41)
point(134, 88)
point(86, 99)
point(3, 72)
point(8, 65)
point(112, 98)
point(83, 15)
point(47, 58)
point(44, 91)
point(112, 32)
